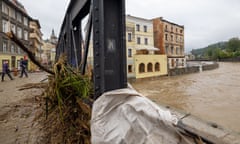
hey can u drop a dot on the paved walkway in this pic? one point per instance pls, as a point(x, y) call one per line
point(9, 92)
point(19, 110)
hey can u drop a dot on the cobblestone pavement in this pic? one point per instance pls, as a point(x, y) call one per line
point(9, 92)
point(19, 110)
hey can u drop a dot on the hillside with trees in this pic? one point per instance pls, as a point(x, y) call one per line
point(219, 51)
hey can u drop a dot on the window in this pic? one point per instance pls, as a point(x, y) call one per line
point(172, 49)
point(176, 38)
point(19, 32)
point(181, 31)
point(176, 30)
point(25, 21)
point(182, 62)
point(181, 50)
point(141, 68)
point(129, 37)
point(12, 48)
point(157, 67)
point(18, 50)
point(15, 49)
point(177, 62)
point(171, 37)
point(138, 27)
point(166, 37)
point(150, 67)
point(146, 41)
point(1, 48)
point(129, 68)
point(177, 50)
point(138, 40)
point(4, 8)
point(129, 52)
point(25, 35)
point(171, 29)
point(166, 28)
point(5, 26)
point(12, 13)
point(13, 28)
point(145, 28)
point(4, 46)
point(13, 61)
point(19, 17)
point(173, 63)
point(166, 49)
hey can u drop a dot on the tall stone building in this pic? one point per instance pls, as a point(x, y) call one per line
point(13, 17)
point(49, 50)
point(142, 59)
point(169, 38)
point(35, 41)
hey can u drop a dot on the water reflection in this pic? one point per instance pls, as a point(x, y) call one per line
point(211, 95)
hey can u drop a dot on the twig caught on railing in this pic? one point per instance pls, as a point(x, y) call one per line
point(29, 53)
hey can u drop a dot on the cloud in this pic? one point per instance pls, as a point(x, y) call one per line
point(50, 13)
point(205, 21)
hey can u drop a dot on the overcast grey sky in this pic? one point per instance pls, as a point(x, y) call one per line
point(205, 21)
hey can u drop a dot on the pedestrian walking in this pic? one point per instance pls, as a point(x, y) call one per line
point(5, 70)
point(23, 66)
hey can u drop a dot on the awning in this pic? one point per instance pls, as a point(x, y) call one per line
point(149, 48)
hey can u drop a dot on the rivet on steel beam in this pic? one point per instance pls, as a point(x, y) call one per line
point(97, 88)
point(97, 76)
point(97, 65)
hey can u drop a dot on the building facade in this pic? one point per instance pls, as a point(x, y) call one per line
point(35, 42)
point(49, 50)
point(142, 59)
point(13, 17)
point(169, 38)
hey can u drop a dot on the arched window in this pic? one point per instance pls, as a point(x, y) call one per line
point(150, 67)
point(157, 67)
point(141, 68)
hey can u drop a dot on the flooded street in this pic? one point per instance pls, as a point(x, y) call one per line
point(211, 95)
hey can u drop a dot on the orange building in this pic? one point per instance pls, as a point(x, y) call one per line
point(169, 38)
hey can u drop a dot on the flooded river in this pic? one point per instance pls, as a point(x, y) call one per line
point(211, 95)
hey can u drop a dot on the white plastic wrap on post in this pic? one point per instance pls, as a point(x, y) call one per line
point(126, 117)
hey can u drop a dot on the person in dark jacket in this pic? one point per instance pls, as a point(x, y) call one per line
point(5, 70)
point(23, 65)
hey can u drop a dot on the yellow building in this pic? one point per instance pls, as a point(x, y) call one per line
point(14, 17)
point(142, 62)
point(35, 42)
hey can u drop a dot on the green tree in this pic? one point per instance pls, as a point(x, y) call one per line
point(233, 45)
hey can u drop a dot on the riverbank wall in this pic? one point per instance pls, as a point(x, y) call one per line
point(235, 59)
point(194, 68)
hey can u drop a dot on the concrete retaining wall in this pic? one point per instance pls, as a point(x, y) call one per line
point(210, 66)
point(181, 71)
point(193, 69)
point(236, 59)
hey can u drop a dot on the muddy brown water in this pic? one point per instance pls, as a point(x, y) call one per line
point(211, 95)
